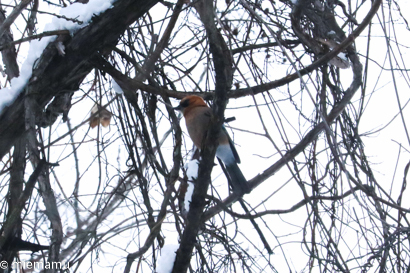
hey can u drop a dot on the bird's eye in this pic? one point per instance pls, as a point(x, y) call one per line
point(184, 103)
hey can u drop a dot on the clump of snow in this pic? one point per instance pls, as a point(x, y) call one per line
point(116, 87)
point(342, 56)
point(166, 260)
point(9, 94)
point(61, 48)
point(192, 173)
point(188, 195)
point(78, 11)
point(192, 169)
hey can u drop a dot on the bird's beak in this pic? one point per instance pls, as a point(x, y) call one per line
point(178, 108)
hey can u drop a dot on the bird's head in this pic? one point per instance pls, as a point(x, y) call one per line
point(190, 102)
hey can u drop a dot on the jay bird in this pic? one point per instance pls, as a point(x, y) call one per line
point(197, 117)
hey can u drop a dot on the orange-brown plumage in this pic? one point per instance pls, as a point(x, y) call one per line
point(197, 116)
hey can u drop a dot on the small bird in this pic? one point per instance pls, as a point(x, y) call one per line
point(197, 117)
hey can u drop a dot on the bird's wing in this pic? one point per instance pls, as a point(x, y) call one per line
point(232, 145)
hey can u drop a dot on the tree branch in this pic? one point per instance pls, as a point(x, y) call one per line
point(55, 74)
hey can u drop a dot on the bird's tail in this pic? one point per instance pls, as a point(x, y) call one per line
point(239, 183)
